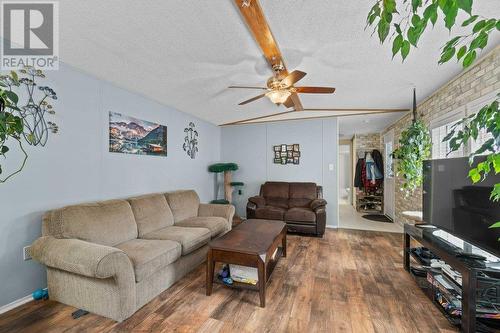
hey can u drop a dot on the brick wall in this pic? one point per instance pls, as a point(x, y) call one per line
point(480, 80)
point(368, 141)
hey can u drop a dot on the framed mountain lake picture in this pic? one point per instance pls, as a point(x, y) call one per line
point(129, 135)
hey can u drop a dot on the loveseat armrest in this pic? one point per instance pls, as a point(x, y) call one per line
point(317, 204)
point(83, 258)
point(225, 211)
point(258, 201)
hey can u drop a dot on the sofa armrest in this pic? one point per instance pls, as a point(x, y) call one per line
point(82, 258)
point(317, 204)
point(258, 201)
point(320, 220)
point(225, 211)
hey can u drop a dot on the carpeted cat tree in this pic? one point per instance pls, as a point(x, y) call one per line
point(227, 169)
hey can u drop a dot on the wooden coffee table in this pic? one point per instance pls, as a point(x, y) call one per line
point(252, 243)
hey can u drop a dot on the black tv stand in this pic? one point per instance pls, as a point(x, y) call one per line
point(467, 267)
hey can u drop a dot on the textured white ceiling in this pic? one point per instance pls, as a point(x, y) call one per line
point(373, 123)
point(184, 53)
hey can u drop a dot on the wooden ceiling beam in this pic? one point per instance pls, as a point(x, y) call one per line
point(262, 119)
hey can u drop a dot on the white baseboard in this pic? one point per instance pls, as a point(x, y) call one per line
point(331, 226)
point(15, 304)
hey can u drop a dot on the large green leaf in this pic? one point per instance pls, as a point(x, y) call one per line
point(465, 5)
point(383, 30)
point(12, 96)
point(396, 44)
point(469, 58)
point(405, 49)
point(469, 20)
point(447, 55)
point(450, 11)
point(461, 52)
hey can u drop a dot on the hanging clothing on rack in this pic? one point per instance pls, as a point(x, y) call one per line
point(372, 172)
point(358, 177)
point(379, 162)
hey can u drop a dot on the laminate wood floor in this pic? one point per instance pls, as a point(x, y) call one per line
point(349, 281)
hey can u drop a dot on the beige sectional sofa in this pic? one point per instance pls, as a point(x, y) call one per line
point(112, 257)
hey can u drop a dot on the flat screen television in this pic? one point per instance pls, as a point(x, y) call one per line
point(453, 203)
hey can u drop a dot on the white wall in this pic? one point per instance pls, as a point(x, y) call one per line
point(251, 147)
point(345, 169)
point(76, 167)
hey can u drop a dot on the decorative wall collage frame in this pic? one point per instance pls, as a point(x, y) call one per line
point(286, 154)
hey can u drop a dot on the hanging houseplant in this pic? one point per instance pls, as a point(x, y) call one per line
point(414, 147)
point(487, 120)
point(24, 122)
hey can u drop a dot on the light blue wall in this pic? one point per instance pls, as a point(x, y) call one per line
point(251, 147)
point(76, 167)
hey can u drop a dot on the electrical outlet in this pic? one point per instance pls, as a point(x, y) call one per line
point(27, 253)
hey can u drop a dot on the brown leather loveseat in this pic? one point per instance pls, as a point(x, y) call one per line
point(299, 205)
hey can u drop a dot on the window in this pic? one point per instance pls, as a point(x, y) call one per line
point(442, 149)
point(474, 107)
point(441, 127)
point(482, 137)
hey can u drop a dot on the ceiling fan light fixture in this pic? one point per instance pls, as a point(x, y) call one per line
point(278, 96)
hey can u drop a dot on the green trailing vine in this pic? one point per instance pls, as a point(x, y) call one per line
point(486, 120)
point(11, 126)
point(406, 21)
point(23, 123)
point(414, 147)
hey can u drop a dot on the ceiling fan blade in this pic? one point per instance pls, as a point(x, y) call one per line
point(296, 102)
point(293, 77)
point(245, 87)
point(252, 99)
point(257, 24)
point(315, 90)
point(288, 103)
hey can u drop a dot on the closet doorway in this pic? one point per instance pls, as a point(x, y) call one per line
point(389, 209)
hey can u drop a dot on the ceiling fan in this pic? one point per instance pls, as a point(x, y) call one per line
point(280, 87)
point(282, 90)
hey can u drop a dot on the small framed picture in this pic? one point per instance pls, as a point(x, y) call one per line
point(289, 154)
point(277, 160)
point(296, 154)
point(296, 160)
point(283, 154)
point(296, 147)
point(283, 160)
point(277, 154)
point(277, 148)
point(283, 147)
point(289, 160)
point(289, 147)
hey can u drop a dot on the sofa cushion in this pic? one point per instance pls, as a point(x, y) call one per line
point(151, 212)
point(304, 215)
point(275, 190)
point(215, 224)
point(184, 204)
point(301, 194)
point(107, 222)
point(149, 256)
point(190, 238)
point(270, 213)
point(277, 202)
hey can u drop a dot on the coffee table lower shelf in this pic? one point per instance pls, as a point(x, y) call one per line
point(269, 271)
